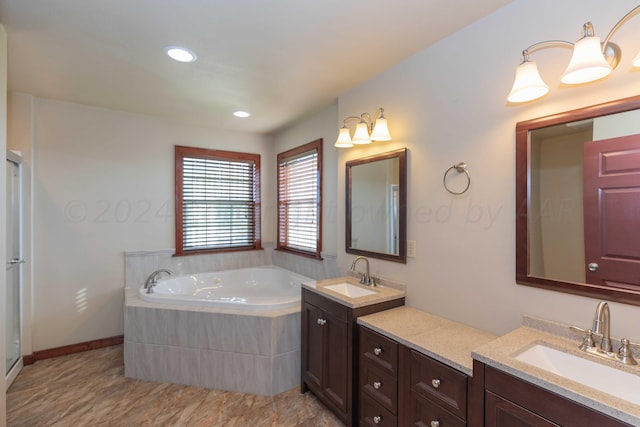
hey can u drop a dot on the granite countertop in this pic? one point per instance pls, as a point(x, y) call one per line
point(501, 353)
point(444, 340)
point(383, 292)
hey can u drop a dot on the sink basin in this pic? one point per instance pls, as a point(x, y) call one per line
point(621, 384)
point(349, 290)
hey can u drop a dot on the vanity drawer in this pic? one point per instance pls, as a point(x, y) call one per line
point(380, 385)
point(378, 350)
point(374, 414)
point(439, 383)
point(424, 412)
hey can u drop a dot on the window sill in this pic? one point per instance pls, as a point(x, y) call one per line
point(300, 253)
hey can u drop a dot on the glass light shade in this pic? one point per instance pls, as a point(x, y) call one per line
point(344, 138)
point(380, 130)
point(361, 135)
point(587, 62)
point(528, 85)
point(636, 60)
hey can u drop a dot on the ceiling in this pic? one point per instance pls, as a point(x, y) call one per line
point(278, 59)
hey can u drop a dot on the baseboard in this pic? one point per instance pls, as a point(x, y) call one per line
point(72, 349)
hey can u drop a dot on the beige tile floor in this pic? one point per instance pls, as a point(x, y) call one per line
point(89, 389)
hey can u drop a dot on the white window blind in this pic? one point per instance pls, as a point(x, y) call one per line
point(299, 200)
point(218, 203)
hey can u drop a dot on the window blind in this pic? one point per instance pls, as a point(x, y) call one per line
point(299, 201)
point(219, 203)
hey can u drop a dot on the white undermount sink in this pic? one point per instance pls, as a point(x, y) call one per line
point(621, 384)
point(349, 290)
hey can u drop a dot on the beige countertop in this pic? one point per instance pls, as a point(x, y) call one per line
point(382, 293)
point(444, 340)
point(501, 353)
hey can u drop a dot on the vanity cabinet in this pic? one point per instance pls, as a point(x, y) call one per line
point(510, 402)
point(438, 394)
point(378, 379)
point(400, 386)
point(328, 341)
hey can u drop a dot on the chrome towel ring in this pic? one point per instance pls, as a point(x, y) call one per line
point(460, 168)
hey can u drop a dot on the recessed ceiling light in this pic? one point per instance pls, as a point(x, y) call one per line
point(242, 114)
point(180, 54)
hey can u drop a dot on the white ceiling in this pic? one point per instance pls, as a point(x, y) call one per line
point(278, 59)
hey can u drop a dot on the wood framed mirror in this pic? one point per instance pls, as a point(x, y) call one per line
point(578, 201)
point(376, 206)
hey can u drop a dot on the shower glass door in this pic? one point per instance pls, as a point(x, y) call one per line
point(14, 265)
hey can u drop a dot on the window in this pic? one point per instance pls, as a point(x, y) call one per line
point(299, 199)
point(217, 200)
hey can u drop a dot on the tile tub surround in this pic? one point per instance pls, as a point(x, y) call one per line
point(501, 353)
point(250, 352)
point(139, 264)
point(444, 340)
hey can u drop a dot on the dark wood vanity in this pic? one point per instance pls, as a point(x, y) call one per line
point(329, 343)
point(400, 386)
point(510, 401)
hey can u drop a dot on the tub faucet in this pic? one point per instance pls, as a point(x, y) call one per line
point(602, 325)
point(153, 279)
point(366, 278)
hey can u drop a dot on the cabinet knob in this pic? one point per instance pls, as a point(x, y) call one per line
point(377, 419)
point(377, 351)
point(322, 322)
point(435, 423)
point(377, 385)
point(435, 383)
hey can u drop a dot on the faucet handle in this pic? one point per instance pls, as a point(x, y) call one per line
point(624, 353)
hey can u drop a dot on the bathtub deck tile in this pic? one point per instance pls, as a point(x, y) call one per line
point(150, 362)
point(183, 365)
point(251, 335)
point(180, 328)
point(285, 331)
point(213, 331)
point(252, 374)
point(285, 372)
point(216, 369)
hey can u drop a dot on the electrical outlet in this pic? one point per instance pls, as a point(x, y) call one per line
point(412, 250)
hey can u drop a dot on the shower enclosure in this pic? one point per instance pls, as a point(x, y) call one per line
point(13, 267)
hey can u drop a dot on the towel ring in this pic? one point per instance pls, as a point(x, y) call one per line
point(460, 168)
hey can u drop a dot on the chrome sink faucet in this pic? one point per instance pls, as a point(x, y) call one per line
point(153, 279)
point(366, 278)
point(602, 325)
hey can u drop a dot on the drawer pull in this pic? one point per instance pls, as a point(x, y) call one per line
point(435, 383)
point(377, 385)
point(435, 423)
point(322, 322)
point(377, 351)
point(377, 419)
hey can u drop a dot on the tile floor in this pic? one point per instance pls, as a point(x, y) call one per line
point(89, 389)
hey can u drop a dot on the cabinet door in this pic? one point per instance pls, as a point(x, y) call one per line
point(336, 373)
point(313, 336)
point(500, 412)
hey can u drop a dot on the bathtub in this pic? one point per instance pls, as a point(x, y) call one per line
point(257, 288)
point(235, 330)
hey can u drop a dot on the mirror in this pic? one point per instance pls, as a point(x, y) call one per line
point(376, 198)
point(578, 201)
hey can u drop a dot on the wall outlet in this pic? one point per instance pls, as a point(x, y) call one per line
point(412, 250)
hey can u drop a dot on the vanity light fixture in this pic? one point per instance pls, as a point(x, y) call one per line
point(180, 54)
point(591, 60)
point(367, 130)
